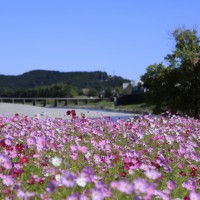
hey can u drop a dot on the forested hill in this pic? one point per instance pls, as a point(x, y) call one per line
point(79, 80)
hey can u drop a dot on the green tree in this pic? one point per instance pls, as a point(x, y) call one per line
point(154, 81)
point(92, 92)
point(185, 58)
point(177, 86)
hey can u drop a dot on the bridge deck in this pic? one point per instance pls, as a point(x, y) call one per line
point(55, 101)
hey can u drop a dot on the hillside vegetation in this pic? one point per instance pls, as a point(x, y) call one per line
point(43, 83)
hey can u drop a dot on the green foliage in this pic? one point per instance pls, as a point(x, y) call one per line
point(177, 86)
point(154, 82)
point(41, 83)
point(55, 90)
point(92, 92)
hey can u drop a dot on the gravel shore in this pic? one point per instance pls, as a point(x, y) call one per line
point(9, 109)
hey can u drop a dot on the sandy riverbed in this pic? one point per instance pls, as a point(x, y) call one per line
point(9, 109)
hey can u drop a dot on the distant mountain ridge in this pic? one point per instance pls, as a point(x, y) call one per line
point(35, 78)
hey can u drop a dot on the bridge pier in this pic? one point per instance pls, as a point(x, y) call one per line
point(44, 102)
point(55, 103)
point(34, 102)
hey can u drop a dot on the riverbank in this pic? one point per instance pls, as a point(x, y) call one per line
point(109, 106)
point(9, 109)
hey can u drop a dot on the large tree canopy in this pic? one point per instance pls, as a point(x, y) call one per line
point(176, 87)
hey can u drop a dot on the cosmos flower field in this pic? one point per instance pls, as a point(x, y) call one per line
point(147, 157)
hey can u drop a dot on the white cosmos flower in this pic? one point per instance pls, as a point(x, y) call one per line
point(57, 177)
point(56, 161)
point(81, 181)
point(47, 174)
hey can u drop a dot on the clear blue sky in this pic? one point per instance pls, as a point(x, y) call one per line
point(121, 37)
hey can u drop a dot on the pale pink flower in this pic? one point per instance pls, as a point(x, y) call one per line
point(150, 190)
point(7, 165)
point(171, 185)
point(190, 184)
point(68, 179)
point(153, 174)
point(114, 184)
point(25, 194)
point(74, 155)
point(3, 159)
point(42, 141)
point(31, 141)
point(140, 185)
point(97, 159)
point(180, 166)
point(83, 149)
point(194, 195)
point(73, 148)
point(88, 174)
point(8, 180)
point(8, 141)
point(126, 187)
point(97, 194)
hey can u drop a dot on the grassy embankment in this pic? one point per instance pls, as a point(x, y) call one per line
point(134, 108)
point(109, 105)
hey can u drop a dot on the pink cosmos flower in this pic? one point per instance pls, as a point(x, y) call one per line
point(41, 142)
point(150, 190)
point(83, 149)
point(162, 195)
point(7, 165)
point(153, 174)
point(88, 174)
point(51, 186)
point(180, 166)
point(190, 184)
point(31, 141)
point(3, 159)
point(73, 148)
point(10, 197)
point(96, 194)
point(77, 196)
point(25, 194)
point(104, 189)
point(114, 184)
point(140, 185)
point(107, 160)
point(194, 195)
point(68, 179)
point(97, 159)
point(8, 141)
point(74, 155)
point(8, 180)
point(13, 154)
point(171, 185)
point(126, 187)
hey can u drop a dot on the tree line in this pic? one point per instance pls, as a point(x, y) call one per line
point(175, 87)
point(43, 83)
point(54, 90)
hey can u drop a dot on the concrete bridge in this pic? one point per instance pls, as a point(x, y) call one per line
point(55, 101)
